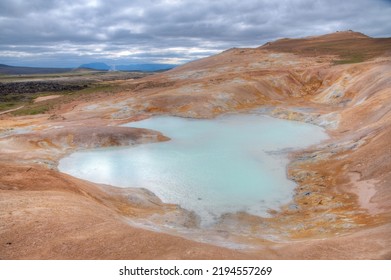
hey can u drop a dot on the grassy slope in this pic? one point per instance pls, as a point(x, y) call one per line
point(95, 80)
point(31, 108)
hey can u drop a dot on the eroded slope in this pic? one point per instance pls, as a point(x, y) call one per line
point(343, 195)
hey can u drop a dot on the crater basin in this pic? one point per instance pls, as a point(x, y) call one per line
point(224, 165)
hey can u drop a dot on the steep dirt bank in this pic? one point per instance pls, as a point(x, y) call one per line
point(46, 215)
point(342, 205)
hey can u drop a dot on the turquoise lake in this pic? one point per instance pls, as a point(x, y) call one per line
point(224, 165)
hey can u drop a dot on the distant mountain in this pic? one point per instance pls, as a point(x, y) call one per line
point(18, 70)
point(145, 67)
point(96, 66)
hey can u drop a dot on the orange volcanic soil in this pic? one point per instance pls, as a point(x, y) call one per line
point(342, 203)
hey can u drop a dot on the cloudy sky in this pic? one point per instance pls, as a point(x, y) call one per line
point(66, 33)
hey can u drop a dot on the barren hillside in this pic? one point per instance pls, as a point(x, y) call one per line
point(340, 81)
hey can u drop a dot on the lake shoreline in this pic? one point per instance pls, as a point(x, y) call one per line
point(50, 215)
point(223, 223)
point(282, 227)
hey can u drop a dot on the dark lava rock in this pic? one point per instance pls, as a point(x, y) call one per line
point(16, 88)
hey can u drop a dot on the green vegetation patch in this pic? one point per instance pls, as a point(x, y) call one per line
point(7, 105)
point(22, 90)
point(33, 110)
point(94, 88)
point(348, 59)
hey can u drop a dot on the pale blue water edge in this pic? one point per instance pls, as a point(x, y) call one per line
point(224, 165)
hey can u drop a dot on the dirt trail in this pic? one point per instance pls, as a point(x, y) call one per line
point(44, 98)
point(11, 110)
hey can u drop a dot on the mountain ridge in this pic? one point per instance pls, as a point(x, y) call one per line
point(348, 46)
point(20, 70)
point(145, 67)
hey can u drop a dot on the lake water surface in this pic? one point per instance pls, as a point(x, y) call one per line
point(224, 165)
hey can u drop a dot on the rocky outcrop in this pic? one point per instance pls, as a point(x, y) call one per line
point(34, 87)
point(46, 147)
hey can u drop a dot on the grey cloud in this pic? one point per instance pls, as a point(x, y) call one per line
point(75, 30)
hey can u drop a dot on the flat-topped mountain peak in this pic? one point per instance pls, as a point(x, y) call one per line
point(348, 45)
